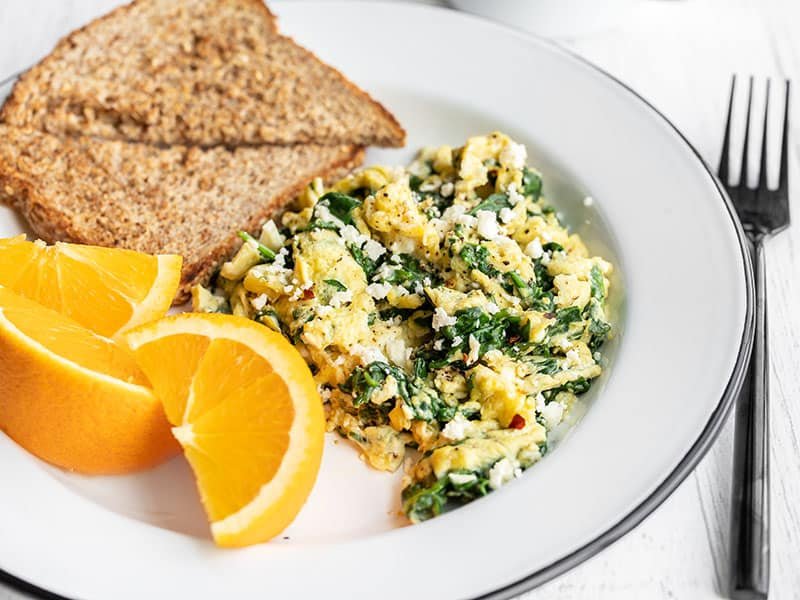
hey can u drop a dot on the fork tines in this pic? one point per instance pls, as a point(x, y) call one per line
point(761, 209)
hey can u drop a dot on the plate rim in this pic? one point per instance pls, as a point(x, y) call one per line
point(707, 436)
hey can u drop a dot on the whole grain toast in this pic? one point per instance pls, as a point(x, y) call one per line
point(195, 72)
point(183, 200)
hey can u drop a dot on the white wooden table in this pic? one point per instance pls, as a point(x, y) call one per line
point(679, 55)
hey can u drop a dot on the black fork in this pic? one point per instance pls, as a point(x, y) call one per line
point(763, 213)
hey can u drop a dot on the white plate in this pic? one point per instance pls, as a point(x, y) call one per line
point(682, 297)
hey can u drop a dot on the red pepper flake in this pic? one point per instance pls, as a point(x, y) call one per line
point(308, 294)
point(517, 422)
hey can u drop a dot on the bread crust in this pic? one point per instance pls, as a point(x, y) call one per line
point(127, 109)
point(14, 101)
point(21, 187)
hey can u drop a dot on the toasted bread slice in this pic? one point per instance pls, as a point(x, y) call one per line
point(182, 200)
point(195, 72)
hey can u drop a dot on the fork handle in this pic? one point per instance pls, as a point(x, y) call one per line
point(750, 522)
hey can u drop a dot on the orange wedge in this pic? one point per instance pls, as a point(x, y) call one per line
point(74, 398)
point(247, 413)
point(106, 290)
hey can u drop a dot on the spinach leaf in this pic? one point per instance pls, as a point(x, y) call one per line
point(499, 331)
point(336, 284)
point(476, 256)
point(409, 270)
point(553, 247)
point(264, 252)
point(564, 318)
point(543, 278)
point(546, 365)
point(531, 294)
point(598, 331)
point(340, 205)
point(421, 368)
point(363, 381)
point(423, 400)
point(576, 386)
point(365, 262)
point(597, 283)
point(493, 203)
point(424, 500)
point(531, 184)
point(427, 405)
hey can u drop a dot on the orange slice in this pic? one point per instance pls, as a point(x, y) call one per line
point(247, 413)
point(107, 290)
point(74, 398)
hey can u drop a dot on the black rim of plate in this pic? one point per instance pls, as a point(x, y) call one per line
point(692, 457)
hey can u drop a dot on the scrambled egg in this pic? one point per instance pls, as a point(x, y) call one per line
point(443, 309)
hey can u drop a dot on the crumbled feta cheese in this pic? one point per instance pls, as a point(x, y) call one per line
point(403, 245)
point(279, 262)
point(438, 344)
point(324, 214)
point(467, 221)
point(456, 428)
point(324, 392)
point(287, 289)
point(552, 414)
point(439, 225)
point(564, 343)
point(506, 215)
point(384, 272)
point(270, 236)
point(300, 289)
point(462, 478)
point(502, 472)
point(456, 341)
point(367, 354)
point(513, 155)
point(514, 197)
point(378, 290)
point(573, 358)
point(540, 402)
point(419, 168)
point(488, 228)
point(351, 235)
point(447, 189)
point(492, 308)
point(397, 351)
point(374, 249)
point(324, 311)
point(340, 298)
point(418, 289)
point(259, 302)
point(474, 350)
point(546, 258)
point(432, 184)
point(588, 201)
point(442, 319)
point(452, 213)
